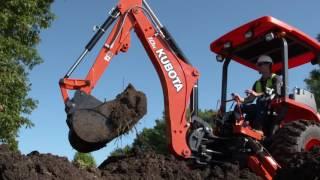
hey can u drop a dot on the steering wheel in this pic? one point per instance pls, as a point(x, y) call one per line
point(236, 99)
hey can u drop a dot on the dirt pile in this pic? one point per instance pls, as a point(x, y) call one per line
point(139, 165)
point(304, 165)
point(148, 165)
point(13, 165)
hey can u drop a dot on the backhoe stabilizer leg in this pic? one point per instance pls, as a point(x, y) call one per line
point(93, 123)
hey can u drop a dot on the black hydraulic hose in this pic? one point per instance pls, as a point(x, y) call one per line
point(194, 104)
point(169, 39)
point(102, 29)
point(173, 44)
point(194, 100)
point(113, 16)
point(178, 52)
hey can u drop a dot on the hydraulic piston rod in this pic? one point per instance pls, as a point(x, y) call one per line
point(102, 29)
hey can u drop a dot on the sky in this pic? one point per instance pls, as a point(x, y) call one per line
point(194, 25)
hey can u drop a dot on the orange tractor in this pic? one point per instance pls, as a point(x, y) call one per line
point(295, 121)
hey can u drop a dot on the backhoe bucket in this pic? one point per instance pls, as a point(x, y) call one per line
point(93, 123)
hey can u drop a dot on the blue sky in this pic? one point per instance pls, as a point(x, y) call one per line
point(194, 24)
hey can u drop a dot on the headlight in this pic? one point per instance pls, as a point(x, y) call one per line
point(248, 34)
point(227, 45)
point(269, 37)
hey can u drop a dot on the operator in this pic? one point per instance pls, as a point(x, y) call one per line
point(263, 90)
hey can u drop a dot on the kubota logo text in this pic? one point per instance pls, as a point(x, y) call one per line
point(172, 74)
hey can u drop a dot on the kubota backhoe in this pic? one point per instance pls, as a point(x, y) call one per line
point(231, 139)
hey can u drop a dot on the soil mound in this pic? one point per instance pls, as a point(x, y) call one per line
point(13, 165)
point(149, 165)
point(303, 165)
point(138, 165)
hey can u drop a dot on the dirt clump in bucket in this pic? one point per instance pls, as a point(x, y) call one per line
point(91, 128)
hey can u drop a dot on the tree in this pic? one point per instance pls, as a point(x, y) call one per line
point(313, 82)
point(122, 151)
point(153, 138)
point(207, 115)
point(156, 138)
point(84, 160)
point(20, 25)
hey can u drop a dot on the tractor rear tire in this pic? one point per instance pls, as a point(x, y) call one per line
point(294, 137)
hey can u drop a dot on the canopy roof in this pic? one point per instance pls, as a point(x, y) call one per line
point(247, 42)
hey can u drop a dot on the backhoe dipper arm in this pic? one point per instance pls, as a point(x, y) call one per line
point(178, 78)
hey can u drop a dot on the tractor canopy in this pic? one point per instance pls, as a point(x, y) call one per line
point(247, 42)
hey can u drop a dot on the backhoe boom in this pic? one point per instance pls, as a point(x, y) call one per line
point(177, 76)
